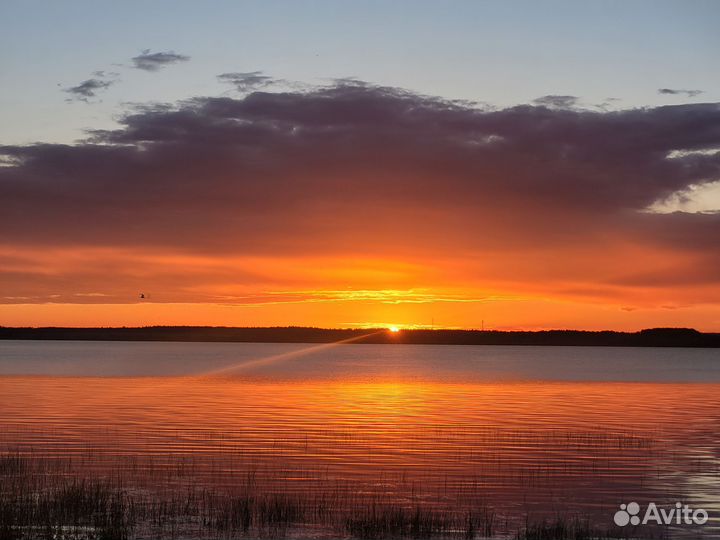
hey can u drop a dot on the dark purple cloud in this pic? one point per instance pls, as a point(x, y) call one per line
point(559, 102)
point(150, 61)
point(334, 169)
point(679, 92)
point(246, 81)
point(89, 88)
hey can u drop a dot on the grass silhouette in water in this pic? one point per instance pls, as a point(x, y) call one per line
point(45, 498)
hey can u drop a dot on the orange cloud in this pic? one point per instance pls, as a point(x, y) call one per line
point(354, 205)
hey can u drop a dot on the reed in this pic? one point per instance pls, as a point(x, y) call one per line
point(572, 528)
point(52, 498)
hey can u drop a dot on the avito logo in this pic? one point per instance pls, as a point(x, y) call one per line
point(629, 514)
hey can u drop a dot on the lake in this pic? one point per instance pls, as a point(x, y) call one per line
point(222, 439)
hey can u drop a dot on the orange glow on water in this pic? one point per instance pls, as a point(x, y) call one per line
point(360, 429)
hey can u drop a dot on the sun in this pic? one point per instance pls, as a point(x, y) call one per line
point(393, 329)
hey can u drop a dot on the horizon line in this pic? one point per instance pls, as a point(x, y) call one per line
point(388, 328)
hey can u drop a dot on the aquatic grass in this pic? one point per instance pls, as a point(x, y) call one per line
point(12, 463)
point(70, 509)
point(71, 498)
point(574, 528)
point(64, 506)
point(393, 521)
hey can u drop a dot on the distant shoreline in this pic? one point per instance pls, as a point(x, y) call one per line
point(654, 337)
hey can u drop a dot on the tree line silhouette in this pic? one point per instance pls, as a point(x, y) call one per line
point(653, 337)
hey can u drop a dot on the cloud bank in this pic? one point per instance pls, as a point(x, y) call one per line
point(537, 199)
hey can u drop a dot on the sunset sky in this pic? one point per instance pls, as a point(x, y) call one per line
point(521, 165)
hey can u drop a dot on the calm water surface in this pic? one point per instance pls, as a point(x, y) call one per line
point(529, 432)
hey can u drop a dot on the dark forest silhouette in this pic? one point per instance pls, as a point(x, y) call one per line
point(655, 337)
